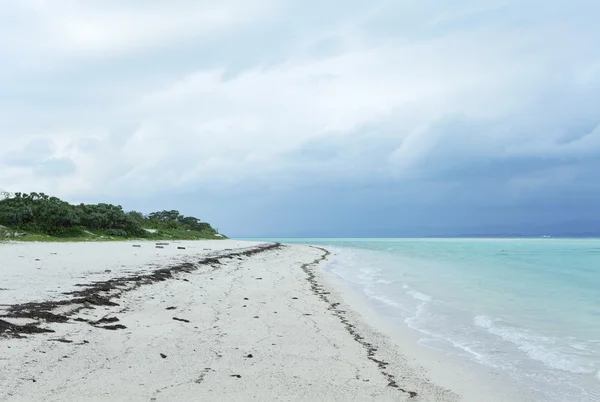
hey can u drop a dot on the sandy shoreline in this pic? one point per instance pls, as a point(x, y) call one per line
point(472, 381)
point(44, 271)
point(249, 327)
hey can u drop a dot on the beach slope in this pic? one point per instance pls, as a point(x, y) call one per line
point(230, 326)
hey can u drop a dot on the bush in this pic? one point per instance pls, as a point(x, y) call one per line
point(116, 232)
point(40, 213)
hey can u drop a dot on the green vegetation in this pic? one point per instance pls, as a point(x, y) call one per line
point(39, 217)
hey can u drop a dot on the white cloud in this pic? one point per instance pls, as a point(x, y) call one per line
point(483, 91)
point(44, 32)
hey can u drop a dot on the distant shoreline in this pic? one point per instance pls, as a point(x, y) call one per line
point(507, 237)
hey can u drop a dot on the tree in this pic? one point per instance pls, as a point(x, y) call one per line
point(38, 212)
point(57, 217)
point(137, 216)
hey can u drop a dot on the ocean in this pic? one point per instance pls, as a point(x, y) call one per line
point(529, 308)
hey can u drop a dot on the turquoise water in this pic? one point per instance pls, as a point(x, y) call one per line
point(527, 307)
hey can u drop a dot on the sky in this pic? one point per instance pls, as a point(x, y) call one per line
point(312, 118)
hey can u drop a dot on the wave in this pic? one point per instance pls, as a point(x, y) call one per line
point(418, 289)
point(420, 296)
point(420, 322)
point(368, 274)
point(387, 301)
point(536, 347)
point(421, 309)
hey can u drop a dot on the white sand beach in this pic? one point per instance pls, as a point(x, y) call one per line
point(260, 327)
point(44, 271)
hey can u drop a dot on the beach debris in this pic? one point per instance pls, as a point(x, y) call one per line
point(236, 376)
point(62, 340)
point(249, 356)
point(317, 289)
point(137, 245)
point(245, 298)
point(180, 248)
point(96, 300)
point(258, 278)
point(28, 379)
point(40, 315)
point(171, 308)
point(162, 244)
point(100, 293)
point(17, 330)
point(294, 298)
point(107, 320)
point(181, 319)
point(255, 316)
point(164, 356)
point(159, 247)
point(113, 327)
point(203, 374)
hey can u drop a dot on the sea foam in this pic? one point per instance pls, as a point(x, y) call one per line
point(528, 308)
point(536, 346)
point(420, 296)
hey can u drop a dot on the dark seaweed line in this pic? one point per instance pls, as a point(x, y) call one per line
point(92, 294)
point(351, 328)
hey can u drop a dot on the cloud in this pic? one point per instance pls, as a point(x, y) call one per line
point(74, 29)
point(31, 154)
point(474, 101)
point(56, 167)
point(37, 158)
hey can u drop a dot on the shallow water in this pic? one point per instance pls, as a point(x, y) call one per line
point(527, 307)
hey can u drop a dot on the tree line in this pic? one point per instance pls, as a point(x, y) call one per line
point(41, 213)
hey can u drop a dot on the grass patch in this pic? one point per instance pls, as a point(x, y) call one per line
point(7, 234)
